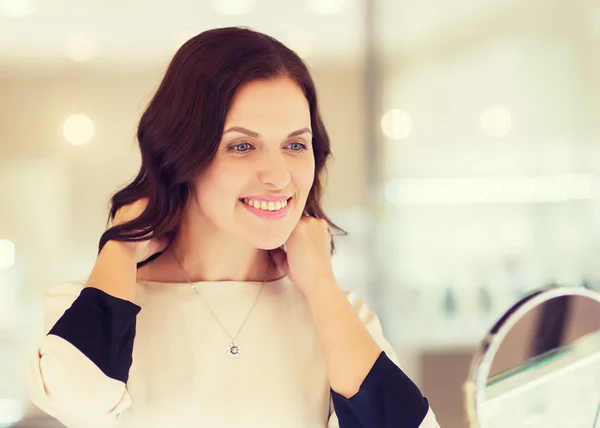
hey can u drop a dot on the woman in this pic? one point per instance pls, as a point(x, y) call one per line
point(222, 325)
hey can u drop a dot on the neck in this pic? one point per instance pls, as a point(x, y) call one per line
point(212, 255)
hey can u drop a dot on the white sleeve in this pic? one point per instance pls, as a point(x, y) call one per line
point(66, 384)
point(373, 325)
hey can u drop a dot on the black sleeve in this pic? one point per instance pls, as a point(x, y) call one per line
point(102, 327)
point(387, 398)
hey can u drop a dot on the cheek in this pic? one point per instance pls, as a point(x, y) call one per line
point(219, 183)
point(304, 177)
point(211, 195)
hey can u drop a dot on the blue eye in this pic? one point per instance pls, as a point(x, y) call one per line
point(243, 147)
point(297, 147)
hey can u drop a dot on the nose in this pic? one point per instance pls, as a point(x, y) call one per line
point(274, 172)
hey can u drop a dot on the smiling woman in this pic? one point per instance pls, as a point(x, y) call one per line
point(213, 301)
point(265, 155)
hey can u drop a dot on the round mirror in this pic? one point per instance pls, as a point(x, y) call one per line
point(539, 365)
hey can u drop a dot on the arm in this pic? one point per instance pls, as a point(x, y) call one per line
point(115, 270)
point(349, 350)
point(368, 388)
point(79, 372)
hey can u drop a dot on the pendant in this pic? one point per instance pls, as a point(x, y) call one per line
point(233, 350)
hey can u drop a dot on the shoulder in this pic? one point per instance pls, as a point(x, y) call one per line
point(358, 304)
point(364, 311)
point(371, 321)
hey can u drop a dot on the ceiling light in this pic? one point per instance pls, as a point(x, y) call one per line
point(396, 124)
point(496, 121)
point(78, 129)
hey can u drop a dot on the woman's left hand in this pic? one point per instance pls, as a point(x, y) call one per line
point(307, 256)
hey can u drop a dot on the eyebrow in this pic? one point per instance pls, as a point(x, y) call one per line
point(255, 134)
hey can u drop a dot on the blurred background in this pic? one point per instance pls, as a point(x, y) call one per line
point(465, 135)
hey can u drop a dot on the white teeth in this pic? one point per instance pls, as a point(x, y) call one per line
point(267, 206)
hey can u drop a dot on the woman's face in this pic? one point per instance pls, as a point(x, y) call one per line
point(257, 185)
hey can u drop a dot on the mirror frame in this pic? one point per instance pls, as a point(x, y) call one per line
point(475, 385)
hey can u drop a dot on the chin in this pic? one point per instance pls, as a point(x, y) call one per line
point(268, 244)
point(269, 240)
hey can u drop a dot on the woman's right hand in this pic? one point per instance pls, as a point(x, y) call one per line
point(142, 249)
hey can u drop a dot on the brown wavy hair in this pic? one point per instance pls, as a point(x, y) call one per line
point(181, 129)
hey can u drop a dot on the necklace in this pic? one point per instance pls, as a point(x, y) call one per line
point(233, 349)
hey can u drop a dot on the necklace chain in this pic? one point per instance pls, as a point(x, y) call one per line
point(233, 349)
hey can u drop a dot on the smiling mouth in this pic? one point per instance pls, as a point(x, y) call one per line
point(266, 205)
